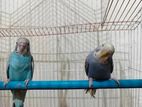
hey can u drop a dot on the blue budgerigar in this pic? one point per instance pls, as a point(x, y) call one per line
point(20, 68)
point(99, 65)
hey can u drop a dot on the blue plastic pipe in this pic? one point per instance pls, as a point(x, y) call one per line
point(71, 84)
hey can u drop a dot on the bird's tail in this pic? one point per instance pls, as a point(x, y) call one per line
point(92, 92)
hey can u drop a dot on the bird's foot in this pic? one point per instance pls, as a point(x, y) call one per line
point(117, 82)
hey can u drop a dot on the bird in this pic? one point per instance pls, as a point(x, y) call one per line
point(20, 68)
point(99, 65)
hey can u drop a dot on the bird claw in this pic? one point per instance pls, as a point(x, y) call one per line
point(91, 91)
point(117, 82)
point(27, 82)
point(86, 91)
point(93, 96)
point(6, 82)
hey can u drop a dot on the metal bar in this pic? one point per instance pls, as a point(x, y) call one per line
point(117, 13)
point(132, 13)
point(71, 84)
point(106, 13)
point(135, 18)
point(113, 11)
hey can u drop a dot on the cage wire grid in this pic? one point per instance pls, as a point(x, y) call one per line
point(62, 33)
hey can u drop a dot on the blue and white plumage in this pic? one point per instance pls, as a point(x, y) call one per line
point(20, 68)
point(99, 65)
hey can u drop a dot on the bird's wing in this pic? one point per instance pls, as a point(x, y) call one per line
point(86, 67)
point(111, 64)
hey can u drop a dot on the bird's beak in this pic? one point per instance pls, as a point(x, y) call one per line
point(104, 54)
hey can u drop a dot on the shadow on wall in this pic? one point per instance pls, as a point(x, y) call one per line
point(64, 74)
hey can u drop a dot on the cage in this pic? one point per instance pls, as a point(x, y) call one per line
point(61, 34)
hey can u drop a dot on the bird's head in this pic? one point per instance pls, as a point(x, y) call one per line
point(22, 46)
point(106, 51)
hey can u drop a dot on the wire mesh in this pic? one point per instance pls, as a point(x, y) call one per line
point(62, 33)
